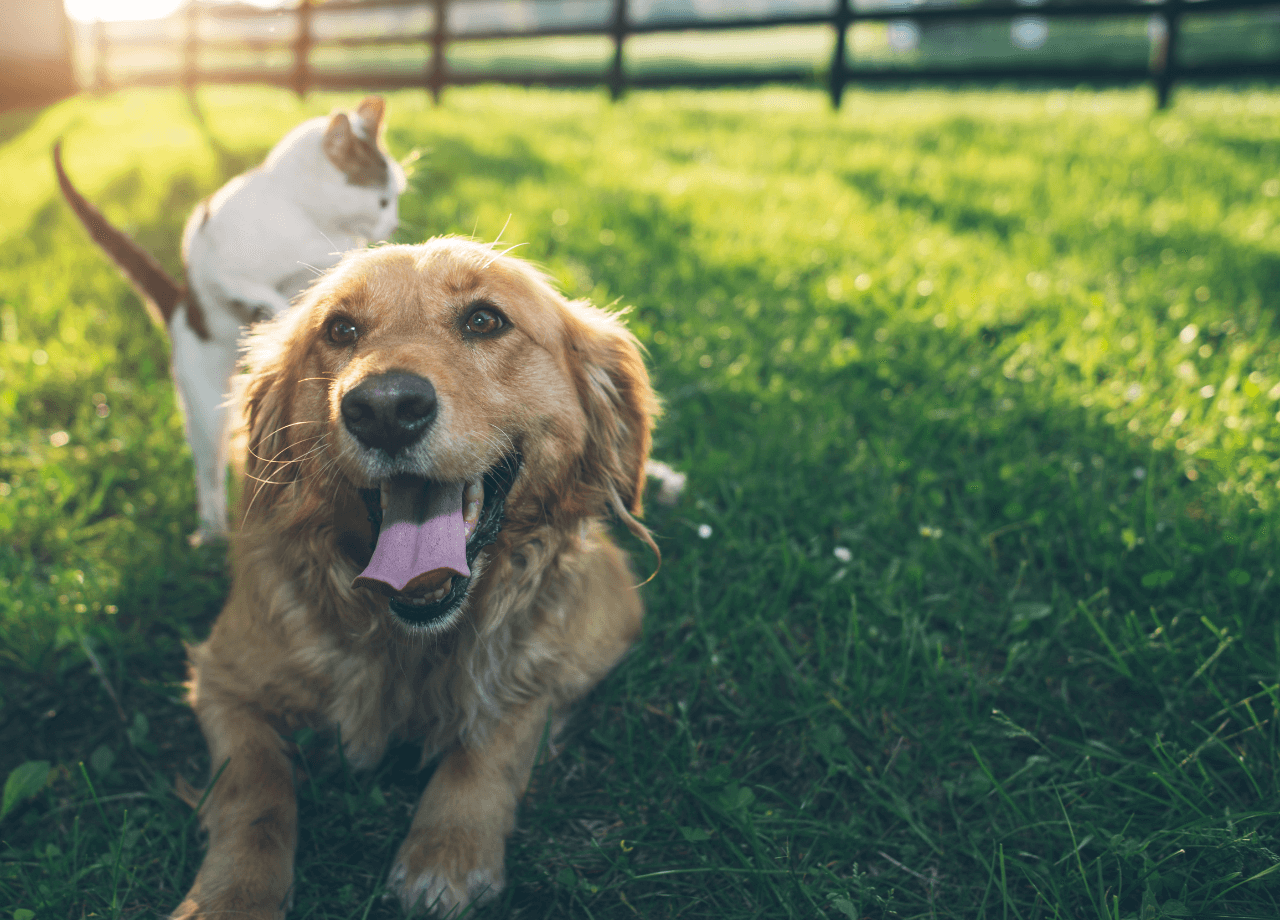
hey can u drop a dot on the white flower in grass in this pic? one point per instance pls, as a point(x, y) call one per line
point(671, 483)
point(1139, 473)
point(704, 531)
point(842, 553)
point(933, 533)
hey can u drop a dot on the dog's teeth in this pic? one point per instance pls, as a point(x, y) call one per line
point(441, 591)
point(472, 500)
point(430, 597)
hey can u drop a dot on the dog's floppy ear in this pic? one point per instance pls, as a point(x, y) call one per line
point(266, 398)
point(620, 408)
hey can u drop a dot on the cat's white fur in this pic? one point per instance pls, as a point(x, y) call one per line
point(249, 249)
point(267, 234)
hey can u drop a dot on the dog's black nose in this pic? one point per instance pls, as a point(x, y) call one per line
point(390, 411)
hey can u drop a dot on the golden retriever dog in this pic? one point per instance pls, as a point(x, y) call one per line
point(435, 440)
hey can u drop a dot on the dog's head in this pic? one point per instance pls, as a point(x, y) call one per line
point(456, 392)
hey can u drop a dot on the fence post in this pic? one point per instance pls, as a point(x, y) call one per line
point(100, 51)
point(436, 77)
point(1166, 58)
point(617, 78)
point(190, 63)
point(302, 50)
point(839, 69)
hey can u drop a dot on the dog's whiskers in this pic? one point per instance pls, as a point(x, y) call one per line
point(322, 470)
point(510, 249)
point(257, 456)
point(291, 425)
point(499, 255)
point(263, 483)
point(502, 231)
point(311, 452)
point(336, 250)
point(503, 441)
point(279, 482)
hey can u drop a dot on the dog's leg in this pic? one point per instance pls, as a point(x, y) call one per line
point(203, 370)
point(454, 853)
point(251, 816)
point(455, 850)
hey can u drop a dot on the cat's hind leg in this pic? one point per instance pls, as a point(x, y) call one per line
point(251, 301)
point(203, 370)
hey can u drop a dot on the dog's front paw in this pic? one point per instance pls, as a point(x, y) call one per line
point(444, 870)
point(196, 907)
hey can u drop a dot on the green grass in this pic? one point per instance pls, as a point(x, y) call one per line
point(969, 610)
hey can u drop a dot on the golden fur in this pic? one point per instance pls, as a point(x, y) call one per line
point(552, 604)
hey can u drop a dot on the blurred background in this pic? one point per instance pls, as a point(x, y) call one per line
point(969, 341)
point(49, 49)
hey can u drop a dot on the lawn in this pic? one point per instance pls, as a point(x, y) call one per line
point(970, 606)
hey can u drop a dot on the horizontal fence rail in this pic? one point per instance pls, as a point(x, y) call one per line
point(1163, 68)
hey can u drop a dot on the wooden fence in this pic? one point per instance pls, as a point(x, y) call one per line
point(1163, 68)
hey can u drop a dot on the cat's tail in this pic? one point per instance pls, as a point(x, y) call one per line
point(159, 290)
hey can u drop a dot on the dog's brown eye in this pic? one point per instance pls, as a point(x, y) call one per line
point(343, 332)
point(485, 321)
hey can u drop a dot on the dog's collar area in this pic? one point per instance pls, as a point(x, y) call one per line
point(497, 484)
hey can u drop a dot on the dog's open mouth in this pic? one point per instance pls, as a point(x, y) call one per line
point(427, 535)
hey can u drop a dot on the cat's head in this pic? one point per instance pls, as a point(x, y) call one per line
point(354, 144)
point(338, 170)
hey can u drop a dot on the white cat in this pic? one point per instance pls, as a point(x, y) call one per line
point(327, 187)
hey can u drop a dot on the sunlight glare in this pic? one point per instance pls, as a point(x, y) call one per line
point(123, 10)
point(119, 10)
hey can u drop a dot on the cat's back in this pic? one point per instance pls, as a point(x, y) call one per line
point(309, 200)
point(252, 208)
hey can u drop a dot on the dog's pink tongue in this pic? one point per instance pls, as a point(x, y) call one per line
point(422, 533)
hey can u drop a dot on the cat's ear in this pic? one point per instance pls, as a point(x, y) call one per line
point(359, 160)
point(338, 138)
point(370, 113)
